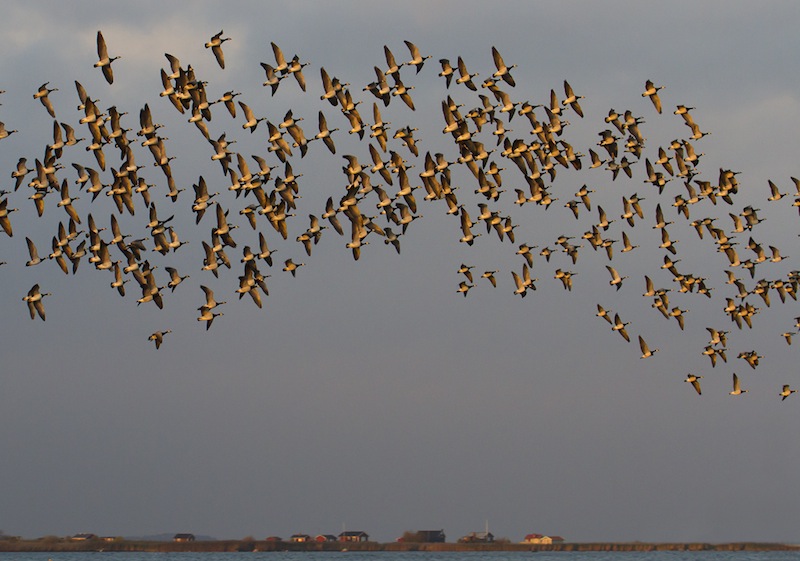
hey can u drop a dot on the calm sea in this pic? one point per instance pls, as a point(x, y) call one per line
point(414, 556)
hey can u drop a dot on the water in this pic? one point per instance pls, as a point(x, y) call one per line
point(413, 556)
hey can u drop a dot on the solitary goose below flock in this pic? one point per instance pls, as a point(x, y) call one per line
point(158, 337)
point(34, 300)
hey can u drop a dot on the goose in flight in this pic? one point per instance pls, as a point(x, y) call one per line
point(291, 266)
point(215, 44)
point(211, 303)
point(417, 59)
point(786, 392)
point(464, 76)
point(5, 223)
point(158, 337)
point(463, 288)
point(41, 94)
point(251, 122)
point(695, 382)
point(34, 300)
point(503, 71)
point(104, 62)
point(572, 99)
point(35, 259)
point(466, 270)
point(616, 279)
point(603, 313)
point(619, 325)
point(651, 91)
point(646, 351)
point(208, 316)
point(490, 275)
point(737, 387)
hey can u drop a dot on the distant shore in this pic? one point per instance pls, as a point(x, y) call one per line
point(52, 546)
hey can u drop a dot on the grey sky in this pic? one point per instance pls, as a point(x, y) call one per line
point(371, 393)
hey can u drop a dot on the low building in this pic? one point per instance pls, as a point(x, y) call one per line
point(322, 538)
point(353, 536)
point(183, 538)
point(477, 537)
point(300, 538)
point(83, 537)
point(273, 539)
point(542, 539)
point(431, 536)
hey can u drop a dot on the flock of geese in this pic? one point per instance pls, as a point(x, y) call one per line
point(380, 194)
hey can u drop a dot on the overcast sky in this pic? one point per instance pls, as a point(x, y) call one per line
point(370, 394)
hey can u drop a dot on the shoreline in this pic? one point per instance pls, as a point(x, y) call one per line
point(222, 546)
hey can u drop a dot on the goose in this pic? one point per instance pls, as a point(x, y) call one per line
point(273, 79)
point(4, 133)
point(296, 68)
point(667, 243)
point(616, 279)
point(325, 134)
point(402, 90)
point(208, 316)
point(627, 246)
point(572, 99)
point(215, 44)
point(677, 313)
point(447, 71)
point(417, 59)
point(158, 337)
point(619, 326)
point(58, 255)
point(603, 313)
point(20, 173)
point(695, 382)
point(596, 161)
point(331, 90)
point(5, 223)
point(211, 303)
point(34, 254)
point(660, 222)
point(651, 91)
point(776, 255)
point(466, 270)
point(785, 392)
point(34, 300)
point(463, 288)
point(42, 95)
point(737, 387)
point(282, 66)
point(646, 351)
point(291, 267)
point(604, 221)
point(503, 71)
point(251, 122)
point(105, 62)
point(118, 283)
point(210, 261)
